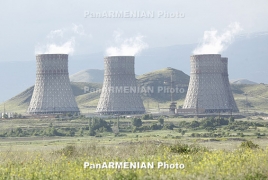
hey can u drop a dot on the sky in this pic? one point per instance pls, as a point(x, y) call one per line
point(29, 27)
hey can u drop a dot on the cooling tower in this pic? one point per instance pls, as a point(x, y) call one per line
point(120, 92)
point(52, 91)
point(209, 87)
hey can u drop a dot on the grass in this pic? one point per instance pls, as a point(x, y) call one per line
point(55, 157)
point(67, 162)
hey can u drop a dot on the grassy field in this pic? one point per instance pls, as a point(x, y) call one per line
point(63, 157)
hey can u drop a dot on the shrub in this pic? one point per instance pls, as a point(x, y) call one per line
point(249, 144)
point(186, 149)
point(68, 150)
point(147, 116)
point(161, 120)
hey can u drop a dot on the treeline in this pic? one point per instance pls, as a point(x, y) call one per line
point(95, 125)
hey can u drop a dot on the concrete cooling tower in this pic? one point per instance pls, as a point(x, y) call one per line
point(209, 87)
point(119, 92)
point(52, 91)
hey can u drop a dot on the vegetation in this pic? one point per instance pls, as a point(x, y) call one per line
point(136, 122)
point(194, 162)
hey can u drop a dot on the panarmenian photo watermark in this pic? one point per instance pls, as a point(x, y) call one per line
point(133, 14)
point(137, 89)
point(133, 165)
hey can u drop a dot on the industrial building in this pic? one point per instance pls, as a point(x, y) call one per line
point(209, 88)
point(119, 92)
point(52, 91)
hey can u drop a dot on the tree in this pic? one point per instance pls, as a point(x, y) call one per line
point(183, 132)
point(136, 122)
point(147, 116)
point(91, 132)
point(194, 124)
point(161, 121)
point(15, 115)
point(231, 119)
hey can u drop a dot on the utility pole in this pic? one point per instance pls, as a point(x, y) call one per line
point(171, 86)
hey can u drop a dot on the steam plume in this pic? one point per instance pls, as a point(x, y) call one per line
point(126, 47)
point(62, 41)
point(214, 43)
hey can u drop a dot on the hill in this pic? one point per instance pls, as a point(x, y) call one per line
point(89, 75)
point(243, 81)
point(253, 97)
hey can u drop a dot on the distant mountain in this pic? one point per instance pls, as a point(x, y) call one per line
point(89, 75)
point(243, 81)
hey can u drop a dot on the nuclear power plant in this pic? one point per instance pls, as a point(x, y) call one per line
point(119, 92)
point(209, 88)
point(52, 91)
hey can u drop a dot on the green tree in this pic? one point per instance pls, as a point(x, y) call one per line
point(91, 132)
point(136, 122)
point(183, 132)
point(231, 119)
point(161, 121)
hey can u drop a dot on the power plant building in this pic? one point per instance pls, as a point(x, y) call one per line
point(120, 92)
point(52, 91)
point(209, 87)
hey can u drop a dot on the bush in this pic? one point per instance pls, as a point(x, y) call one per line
point(249, 144)
point(98, 123)
point(147, 116)
point(186, 149)
point(169, 126)
point(161, 120)
point(68, 150)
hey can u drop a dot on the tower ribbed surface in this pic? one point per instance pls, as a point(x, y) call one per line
point(118, 94)
point(52, 90)
point(209, 86)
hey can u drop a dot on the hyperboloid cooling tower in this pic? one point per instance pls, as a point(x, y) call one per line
point(52, 91)
point(119, 95)
point(209, 87)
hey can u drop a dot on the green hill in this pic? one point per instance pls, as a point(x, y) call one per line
point(87, 94)
point(253, 97)
point(89, 75)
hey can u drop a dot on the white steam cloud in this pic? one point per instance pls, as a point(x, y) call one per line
point(126, 47)
point(214, 43)
point(65, 48)
point(61, 41)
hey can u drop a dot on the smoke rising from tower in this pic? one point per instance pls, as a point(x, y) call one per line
point(119, 78)
point(214, 43)
point(126, 47)
point(63, 40)
point(52, 90)
point(209, 87)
